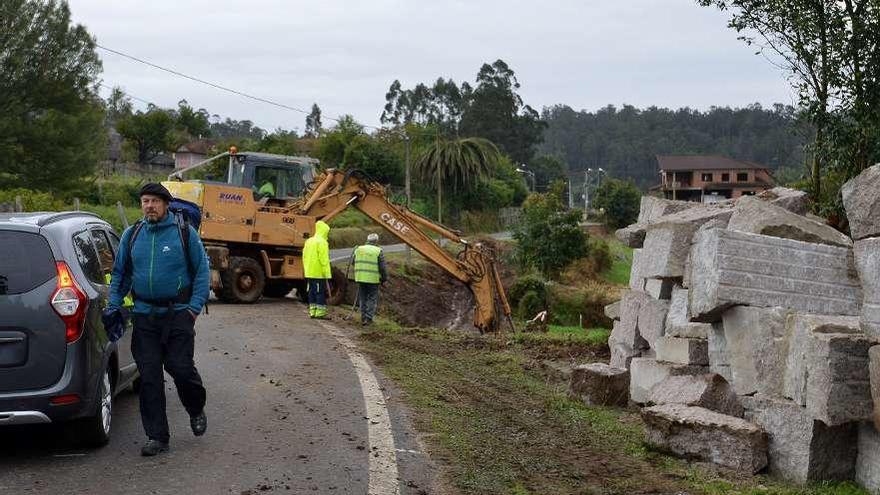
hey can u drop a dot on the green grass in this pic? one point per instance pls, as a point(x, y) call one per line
point(565, 335)
point(621, 265)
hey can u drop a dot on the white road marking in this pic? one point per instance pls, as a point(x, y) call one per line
point(382, 453)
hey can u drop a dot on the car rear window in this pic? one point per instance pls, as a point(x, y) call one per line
point(26, 262)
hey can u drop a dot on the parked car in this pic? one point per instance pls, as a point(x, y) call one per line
point(56, 361)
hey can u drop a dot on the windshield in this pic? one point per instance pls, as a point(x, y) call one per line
point(274, 182)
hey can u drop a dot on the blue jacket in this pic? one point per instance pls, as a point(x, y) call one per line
point(159, 268)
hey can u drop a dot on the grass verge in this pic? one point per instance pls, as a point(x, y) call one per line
point(621, 265)
point(502, 425)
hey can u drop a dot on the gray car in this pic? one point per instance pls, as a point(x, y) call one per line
point(56, 362)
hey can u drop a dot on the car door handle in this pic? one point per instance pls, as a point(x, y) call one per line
point(9, 340)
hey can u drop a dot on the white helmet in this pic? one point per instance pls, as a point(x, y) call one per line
point(373, 238)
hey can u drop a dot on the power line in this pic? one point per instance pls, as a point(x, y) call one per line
point(242, 93)
point(215, 85)
point(133, 97)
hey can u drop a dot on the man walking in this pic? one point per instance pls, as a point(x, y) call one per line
point(316, 265)
point(369, 272)
point(168, 277)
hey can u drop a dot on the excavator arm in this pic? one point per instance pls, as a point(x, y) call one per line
point(334, 191)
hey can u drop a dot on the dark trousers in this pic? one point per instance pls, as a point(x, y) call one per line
point(166, 341)
point(368, 299)
point(317, 289)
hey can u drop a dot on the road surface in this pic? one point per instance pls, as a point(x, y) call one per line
point(292, 408)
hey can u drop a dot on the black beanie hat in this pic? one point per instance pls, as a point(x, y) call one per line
point(156, 190)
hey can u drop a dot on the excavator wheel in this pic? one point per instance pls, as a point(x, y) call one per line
point(243, 281)
point(338, 285)
point(278, 289)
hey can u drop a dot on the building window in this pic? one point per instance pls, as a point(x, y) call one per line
point(742, 177)
point(725, 177)
point(707, 177)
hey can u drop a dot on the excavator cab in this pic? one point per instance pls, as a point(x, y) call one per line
point(271, 176)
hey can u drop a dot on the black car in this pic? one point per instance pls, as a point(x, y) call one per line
point(56, 362)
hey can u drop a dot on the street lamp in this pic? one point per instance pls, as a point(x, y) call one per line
point(588, 174)
point(523, 170)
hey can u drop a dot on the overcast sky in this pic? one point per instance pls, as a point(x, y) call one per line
point(343, 54)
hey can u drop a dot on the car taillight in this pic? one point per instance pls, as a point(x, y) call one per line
point(69, 302)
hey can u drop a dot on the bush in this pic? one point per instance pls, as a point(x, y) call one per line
point(109, 191)
point(480, 222)
point(600, 255)
point(351, 218)
point(590, 267)
point(111, 215)
point(349, 237)
point(32, 200)
point(525, 284)
point(568, 304)
point(620, 200)
point(530, 305)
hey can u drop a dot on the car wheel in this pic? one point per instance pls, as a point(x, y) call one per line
point(96, 429)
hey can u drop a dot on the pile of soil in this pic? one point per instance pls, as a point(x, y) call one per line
point(426, 296)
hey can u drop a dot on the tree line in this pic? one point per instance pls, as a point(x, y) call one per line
point(624, 141)
point(491, 143)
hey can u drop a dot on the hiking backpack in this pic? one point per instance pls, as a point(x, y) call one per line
point(185, 214)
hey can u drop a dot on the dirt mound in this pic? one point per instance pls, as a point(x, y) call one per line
point(426, 296)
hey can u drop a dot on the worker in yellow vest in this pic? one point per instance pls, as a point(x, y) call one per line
point(369, 272)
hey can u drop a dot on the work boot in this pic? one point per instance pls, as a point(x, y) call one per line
point(153, 447)
point(199, 424)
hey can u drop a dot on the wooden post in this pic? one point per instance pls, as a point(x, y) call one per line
point(121, 210)
point(18, 205)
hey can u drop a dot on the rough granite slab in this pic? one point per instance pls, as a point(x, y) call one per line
point(732, 268)
point(699, 433)
point(802, 449)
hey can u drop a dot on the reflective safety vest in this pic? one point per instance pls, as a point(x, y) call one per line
point(128, 302)
point(366, 264)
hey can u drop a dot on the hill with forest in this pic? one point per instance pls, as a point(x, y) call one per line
point(624, 141)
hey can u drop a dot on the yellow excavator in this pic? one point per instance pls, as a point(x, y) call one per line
point(254, 225)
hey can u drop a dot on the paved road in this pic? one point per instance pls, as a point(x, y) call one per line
point(345, 253)
point(292, 408)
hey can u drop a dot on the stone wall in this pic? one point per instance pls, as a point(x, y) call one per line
point(752, 323)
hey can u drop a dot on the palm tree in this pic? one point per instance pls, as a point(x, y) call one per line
point(460, 161)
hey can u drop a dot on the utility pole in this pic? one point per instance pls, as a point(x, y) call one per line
point(587, 173)
point(570, 201)
point(587, 192)
point(407, 185)
point(407, 166)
